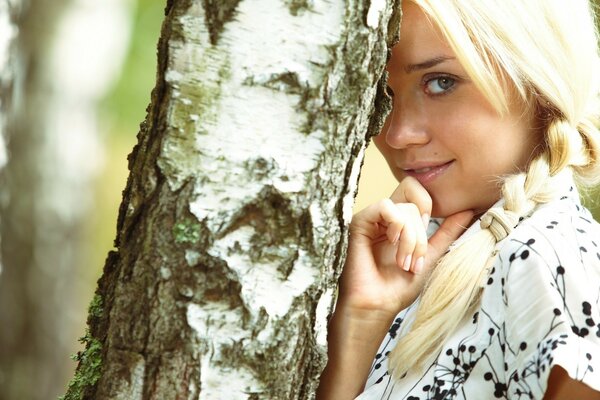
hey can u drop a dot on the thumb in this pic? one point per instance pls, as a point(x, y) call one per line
point(448, 232)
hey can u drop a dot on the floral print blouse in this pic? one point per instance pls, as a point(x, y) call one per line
point(539, 308)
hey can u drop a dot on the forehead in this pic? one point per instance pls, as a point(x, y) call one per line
point(420, 38)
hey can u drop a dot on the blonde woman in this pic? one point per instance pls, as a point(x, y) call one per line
point(497, 295)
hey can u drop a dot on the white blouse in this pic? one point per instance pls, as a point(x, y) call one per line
point(540, 308)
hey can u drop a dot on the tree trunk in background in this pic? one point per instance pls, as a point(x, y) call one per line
point(9, 69)
point(233, 225)
point(53, 155)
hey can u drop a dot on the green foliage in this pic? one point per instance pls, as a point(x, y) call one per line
point(186, 232)
point(89, 370)
point(95, 309)
point(90, 359)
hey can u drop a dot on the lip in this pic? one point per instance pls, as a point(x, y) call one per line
point(427, 172)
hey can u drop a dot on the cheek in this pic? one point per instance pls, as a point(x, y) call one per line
point(511, 152)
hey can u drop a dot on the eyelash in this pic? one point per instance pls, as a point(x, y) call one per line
point(428, 79)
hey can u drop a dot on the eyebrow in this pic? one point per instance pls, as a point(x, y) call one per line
point(426, 64)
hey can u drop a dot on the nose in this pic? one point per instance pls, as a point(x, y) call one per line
point(407, 125)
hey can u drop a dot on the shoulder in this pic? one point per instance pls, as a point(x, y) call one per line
point(550, 265)
point(552, 255)
point(557, 237)
point(549, 269)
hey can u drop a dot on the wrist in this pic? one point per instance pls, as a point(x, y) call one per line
point(361, 323)
point(353, 339)
point(371, 308)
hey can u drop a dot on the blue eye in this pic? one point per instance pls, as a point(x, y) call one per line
point(439, 85)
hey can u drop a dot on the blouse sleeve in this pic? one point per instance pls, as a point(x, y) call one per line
point(551, 284)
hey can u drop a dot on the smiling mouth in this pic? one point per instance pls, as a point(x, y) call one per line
point(421, 170)
point(428, 174)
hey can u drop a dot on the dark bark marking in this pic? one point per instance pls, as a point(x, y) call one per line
point(383, 99)
point(296, 6)
point(383, 106)
point(217, 14)
point(274, 220)
point(288, 82)
point(393, 31)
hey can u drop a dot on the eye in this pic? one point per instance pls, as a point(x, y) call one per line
point(439, 85)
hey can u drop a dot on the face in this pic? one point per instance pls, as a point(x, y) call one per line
point(442, 130)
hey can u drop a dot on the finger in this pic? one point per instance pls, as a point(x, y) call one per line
point(420, 250)
point(411, 191)
point(369, 222)
point(412, 231)
point(406, 247)
point(448, 232)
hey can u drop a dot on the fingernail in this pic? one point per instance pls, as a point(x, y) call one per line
point(425, 219)
point(419, 265)
point(407, 262)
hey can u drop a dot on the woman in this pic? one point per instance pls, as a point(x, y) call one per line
point(494, 104)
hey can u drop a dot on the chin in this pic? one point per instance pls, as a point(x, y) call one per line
point(446, 210)
point(440, 215)
point(438, 211)
point(441, 207)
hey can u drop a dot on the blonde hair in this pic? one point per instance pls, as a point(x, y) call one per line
point(546, 51)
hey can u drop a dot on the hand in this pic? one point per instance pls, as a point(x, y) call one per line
point(389, 256)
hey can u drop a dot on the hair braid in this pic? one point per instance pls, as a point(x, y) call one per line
point(565, 144)
point(455, 284)
point(588, 173)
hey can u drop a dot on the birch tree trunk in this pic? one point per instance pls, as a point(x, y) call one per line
point(233, 225)
point(9, 11)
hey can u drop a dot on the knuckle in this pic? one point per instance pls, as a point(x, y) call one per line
point(409, 239)
point(421, 248)
point(410, 208)
point(385, 204)
point(409, 182)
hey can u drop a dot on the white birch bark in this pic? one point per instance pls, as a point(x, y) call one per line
point(233, 226)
